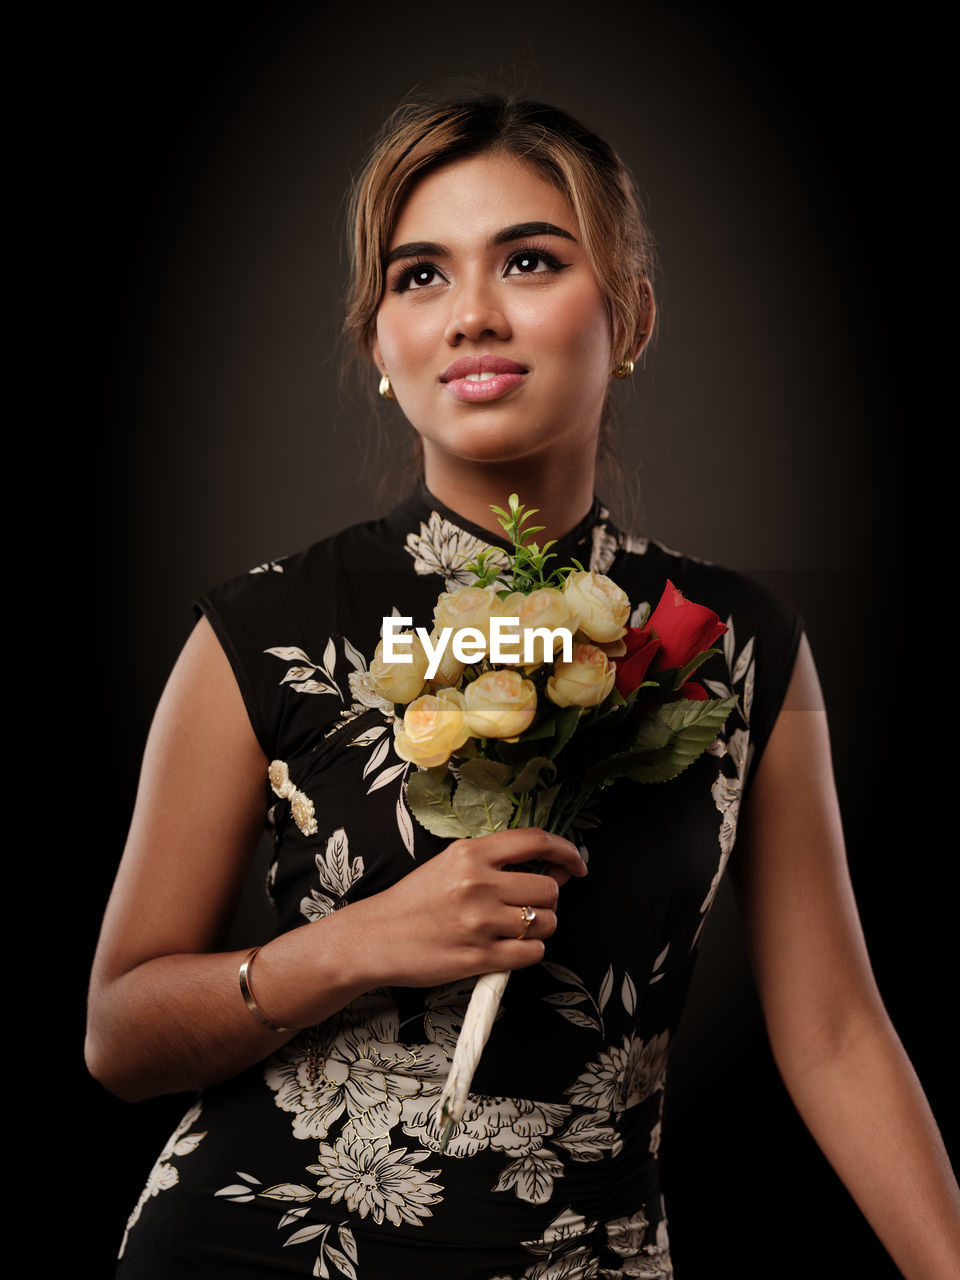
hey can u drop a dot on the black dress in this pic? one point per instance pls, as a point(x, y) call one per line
point(323, 1160)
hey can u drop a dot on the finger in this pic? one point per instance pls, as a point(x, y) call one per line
point(523, 888)
point(515, 923)
point(518, 954)
point(528, 843)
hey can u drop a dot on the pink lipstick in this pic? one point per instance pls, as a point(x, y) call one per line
point(481, 378)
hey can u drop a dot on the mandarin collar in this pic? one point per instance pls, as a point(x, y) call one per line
point(593, 541)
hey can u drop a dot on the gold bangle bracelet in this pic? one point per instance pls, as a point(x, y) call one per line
point(248, 998)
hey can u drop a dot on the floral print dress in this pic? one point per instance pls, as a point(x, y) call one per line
point(324, 1160)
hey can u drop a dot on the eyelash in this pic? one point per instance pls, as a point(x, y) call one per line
point(402, 283)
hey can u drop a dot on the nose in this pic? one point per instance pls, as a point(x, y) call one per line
point(476, 312)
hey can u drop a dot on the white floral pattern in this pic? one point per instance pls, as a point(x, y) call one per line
point(443, 548)
point(625, 1237)
point(515, 1126)
point(374, 1179)
point(733, 745)
point(570, 1249)
point(338, 874)
point(164, 1175)
point(360, 1071)
point(604, 545)
point(623, 1075)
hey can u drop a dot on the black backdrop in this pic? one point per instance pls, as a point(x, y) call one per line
point(191, 165)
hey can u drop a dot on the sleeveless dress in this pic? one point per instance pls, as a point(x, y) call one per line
point(324, 1159)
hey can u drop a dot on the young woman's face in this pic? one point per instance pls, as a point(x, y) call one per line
point(492, 326)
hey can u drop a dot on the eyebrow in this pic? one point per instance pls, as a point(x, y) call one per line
point(519, 231)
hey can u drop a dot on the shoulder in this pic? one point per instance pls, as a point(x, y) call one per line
point(300, 624)
point(763, 630)
point(745, 602)
point(357, 547)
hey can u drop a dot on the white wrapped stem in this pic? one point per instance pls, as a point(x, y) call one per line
point(481, 1011)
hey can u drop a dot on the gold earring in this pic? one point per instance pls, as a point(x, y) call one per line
point(385, 388)
point(624, 369)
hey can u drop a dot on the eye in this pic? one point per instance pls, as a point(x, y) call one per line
point(526, 263)
point(418, 276)
point(533, 262)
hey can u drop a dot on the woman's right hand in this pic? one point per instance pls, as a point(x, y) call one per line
point(165, 1009)
point(460, 914)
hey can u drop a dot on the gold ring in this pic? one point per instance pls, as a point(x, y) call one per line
point(527, 917)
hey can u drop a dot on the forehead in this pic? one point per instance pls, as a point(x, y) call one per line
point(476, 197)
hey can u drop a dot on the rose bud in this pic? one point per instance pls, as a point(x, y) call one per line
point(500, 704)
point(683, 628)
point(433, 728)
point(603, 606)
point(400, 681)
point(641, 649)
point(584, 682)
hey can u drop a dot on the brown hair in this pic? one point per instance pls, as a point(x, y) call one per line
point(422, 136)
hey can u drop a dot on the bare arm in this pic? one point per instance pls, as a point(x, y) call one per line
point(836, 1049)
point(165, 1011)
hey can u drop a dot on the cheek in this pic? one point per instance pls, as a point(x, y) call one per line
point(579, 330)
point(407, 341)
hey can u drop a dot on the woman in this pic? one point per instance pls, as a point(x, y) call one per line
point(501, 279)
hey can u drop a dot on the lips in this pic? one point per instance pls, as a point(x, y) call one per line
point(472, 365)
point(482, 378)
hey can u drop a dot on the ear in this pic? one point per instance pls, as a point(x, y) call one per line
point(375, 355)
point(648, 320)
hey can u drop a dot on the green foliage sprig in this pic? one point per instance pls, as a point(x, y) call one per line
point(528, 559)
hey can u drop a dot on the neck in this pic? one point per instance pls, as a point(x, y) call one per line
point(561, 495)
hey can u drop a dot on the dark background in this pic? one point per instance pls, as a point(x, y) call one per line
point(190, 171)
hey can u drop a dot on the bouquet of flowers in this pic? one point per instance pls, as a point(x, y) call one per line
point(531, 694)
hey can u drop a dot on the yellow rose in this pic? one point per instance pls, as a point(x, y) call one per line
point(433, 728)
point(500, 704)
point(546, 607)
point(603, 607)
point(449, 669)
point(400, 681)
point(584, 682)
point(467, 607)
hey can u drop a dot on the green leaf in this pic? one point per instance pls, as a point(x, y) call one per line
point(675, 735)
point(566, 720)
point(530, 775)
point(546, 728)
point(481, 811)
point(489, 775)
point(684, 673)
point(428, 799)
point(543, 803)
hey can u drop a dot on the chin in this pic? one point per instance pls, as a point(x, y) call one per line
point(495, 445)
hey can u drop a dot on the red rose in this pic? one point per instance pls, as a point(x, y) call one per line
point(632, 667)
point(693, 692)
point(683, 628)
